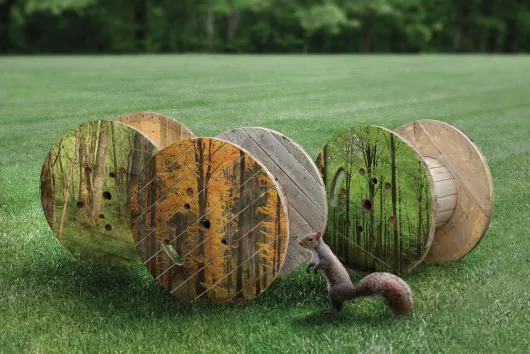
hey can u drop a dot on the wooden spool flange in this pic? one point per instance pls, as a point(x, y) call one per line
point(161, 129)
point(210, 221)
point(381, 213)
point(86, 181)
point(463, 186)
point(299, 177)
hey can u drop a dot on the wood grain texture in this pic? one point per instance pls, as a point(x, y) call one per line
point(161, 129)
point(382, 204)
point(209, 221)
point(300, 179)
point(455, 150)
point(86, 188)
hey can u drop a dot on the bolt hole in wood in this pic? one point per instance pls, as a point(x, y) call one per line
point(374, 180)
point(367, 204)
point(187, 207)
point(360, 228)
point(80, 204)
point(112, 175)
point(101, 216)
point(172, 253)
point(107, 195)
point(108, 227)
point(223, 242)
point(205, 224)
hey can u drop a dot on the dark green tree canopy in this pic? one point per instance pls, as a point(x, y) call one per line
point(264, 26)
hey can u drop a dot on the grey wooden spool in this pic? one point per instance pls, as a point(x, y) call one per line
point(301, 181)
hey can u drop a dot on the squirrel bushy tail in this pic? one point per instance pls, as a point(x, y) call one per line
point(392, 288)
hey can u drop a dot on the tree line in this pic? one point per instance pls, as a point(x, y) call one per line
point(264, 26)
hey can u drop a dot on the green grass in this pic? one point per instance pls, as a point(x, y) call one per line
point(51, 302)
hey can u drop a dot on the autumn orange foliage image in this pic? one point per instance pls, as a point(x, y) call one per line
point(209, 221)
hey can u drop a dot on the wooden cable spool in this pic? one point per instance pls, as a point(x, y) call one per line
point(463, 186)
point(381, 210)
point(300, 179)
point(85, 188)
point(210, 221)
point(161, 129)
point(423, 192)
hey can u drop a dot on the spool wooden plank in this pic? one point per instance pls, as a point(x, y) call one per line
point(86, 185)
point(450, 146)
point(382, 203)
point(300, 179)
point(209, 221)
point(161, 129)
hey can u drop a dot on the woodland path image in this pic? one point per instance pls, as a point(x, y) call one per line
point(209, 221)
point(380, 211)
point(86, 181)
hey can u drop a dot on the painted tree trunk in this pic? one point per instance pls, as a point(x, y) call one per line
point(100, 169)
point(394, 199)
point(201, 184)
point(241, 225)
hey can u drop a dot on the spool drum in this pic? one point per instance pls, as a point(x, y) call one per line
point(381, 213)
point(210, 221)
point(161, 129)
point(299, 177)
point(86, 181)
point(466, 225)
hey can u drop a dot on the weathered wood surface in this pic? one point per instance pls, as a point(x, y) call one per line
point(382, 207)
point(161, 129)
point(300, 179)
point(469, 223)
point(216, 209)
point(86, 187)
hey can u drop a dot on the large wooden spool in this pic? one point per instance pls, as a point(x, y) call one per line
point(300, 179)
point(381, 200)
point(210, 221)
point(161, 129)
point(86, 183)
point(463, 185)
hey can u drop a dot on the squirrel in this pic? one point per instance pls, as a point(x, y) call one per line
point(392, 288)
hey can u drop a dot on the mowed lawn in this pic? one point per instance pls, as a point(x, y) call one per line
point(51, 302)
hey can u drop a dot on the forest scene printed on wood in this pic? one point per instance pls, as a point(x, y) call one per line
point(86, 181)
point(209, 221)
point(380, 203)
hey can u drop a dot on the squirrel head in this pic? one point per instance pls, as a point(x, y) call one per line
point(311, 241)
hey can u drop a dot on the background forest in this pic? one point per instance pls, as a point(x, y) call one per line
point(264, 26)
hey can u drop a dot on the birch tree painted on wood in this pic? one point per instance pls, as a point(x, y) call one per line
point(85, 184)
point(380, 211)
point(217, 219)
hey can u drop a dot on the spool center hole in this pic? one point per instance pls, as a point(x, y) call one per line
point(367, 204)
point(205, 224)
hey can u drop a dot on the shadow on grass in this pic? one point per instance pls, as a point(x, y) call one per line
point(131, 292)
point(344, 318)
